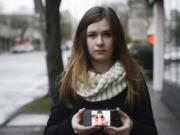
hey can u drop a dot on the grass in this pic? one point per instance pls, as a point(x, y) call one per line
point(40, 105)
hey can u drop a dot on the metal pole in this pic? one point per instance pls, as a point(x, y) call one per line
point(159, 45)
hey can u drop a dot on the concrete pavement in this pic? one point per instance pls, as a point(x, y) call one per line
point(26, 130)
point(22, 77)
point(166, 122)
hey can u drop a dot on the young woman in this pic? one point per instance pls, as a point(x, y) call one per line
point(101, 74)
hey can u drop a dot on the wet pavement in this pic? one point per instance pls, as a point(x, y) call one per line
point(29, 120)
point(22, 77)
point(25, 130)
point(166, 122)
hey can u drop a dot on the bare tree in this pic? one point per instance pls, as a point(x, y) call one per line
point(53, 42)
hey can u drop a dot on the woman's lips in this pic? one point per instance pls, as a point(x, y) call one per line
point(99, 51)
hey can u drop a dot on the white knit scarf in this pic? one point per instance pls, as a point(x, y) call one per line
point(104, 86)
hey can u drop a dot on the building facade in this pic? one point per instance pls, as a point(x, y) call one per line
point(138, 24)
point(171, 81)
point(19, 26)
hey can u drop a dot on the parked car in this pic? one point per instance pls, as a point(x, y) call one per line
point(66, 48)
point(22, 46)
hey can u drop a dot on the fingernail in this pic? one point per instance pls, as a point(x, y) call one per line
point(80, 110)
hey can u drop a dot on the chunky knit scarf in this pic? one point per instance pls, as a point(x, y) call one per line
point(104, 86)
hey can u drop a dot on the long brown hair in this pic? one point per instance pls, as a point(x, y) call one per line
point(79, 62)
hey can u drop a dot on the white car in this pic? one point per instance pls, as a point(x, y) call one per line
point(25, 46)
point(66, 51)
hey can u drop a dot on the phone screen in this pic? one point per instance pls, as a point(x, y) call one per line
point(101, 118)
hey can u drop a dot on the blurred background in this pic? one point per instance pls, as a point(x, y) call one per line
point(35, 42)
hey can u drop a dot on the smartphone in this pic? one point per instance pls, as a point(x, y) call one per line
point(101, 118)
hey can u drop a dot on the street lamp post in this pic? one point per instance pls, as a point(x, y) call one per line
point(158, 9)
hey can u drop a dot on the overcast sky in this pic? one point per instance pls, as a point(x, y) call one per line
point(76, 7)
point(27, 6)
point(17, 6)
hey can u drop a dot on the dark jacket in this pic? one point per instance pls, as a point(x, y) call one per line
point(59, 122)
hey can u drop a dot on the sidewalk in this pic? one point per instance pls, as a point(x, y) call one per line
point(33, 124)
point(166, 122)
point(22, 80)
point(25, 124)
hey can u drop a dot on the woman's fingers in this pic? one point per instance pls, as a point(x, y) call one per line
point(76, 119)
point(80, 129)
point(126, 121)
point(79, 114)
point(126, 125)
point(110, 130)
point(81, 110)
point(116, 130)
point(124, 117)
point(122, 114)
point(86, 130)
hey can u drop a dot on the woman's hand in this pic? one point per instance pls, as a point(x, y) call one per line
point(80, 129)
point(126, 127)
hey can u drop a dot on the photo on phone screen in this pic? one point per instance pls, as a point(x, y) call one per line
point(101, 118)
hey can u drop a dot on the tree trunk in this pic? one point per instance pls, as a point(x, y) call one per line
point(53, 43)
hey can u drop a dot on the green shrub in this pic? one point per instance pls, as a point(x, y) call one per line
point(144, 55)
point(40, 105)
point(145, 58)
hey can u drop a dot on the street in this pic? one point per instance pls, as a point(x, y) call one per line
point(22, 79)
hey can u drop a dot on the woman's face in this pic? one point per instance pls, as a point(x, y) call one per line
point(99, 115)
point(100, 41)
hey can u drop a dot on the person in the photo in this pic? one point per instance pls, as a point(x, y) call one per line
point(100, 119)
point(101, 74)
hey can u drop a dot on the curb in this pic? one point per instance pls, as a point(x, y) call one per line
point(10, 118)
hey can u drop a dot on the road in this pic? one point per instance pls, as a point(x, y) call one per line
point(23, 77)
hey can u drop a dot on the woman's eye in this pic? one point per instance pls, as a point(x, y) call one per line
point(91, 35)
point(107, 34)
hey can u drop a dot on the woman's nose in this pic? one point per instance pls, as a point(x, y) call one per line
point(99, 40)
